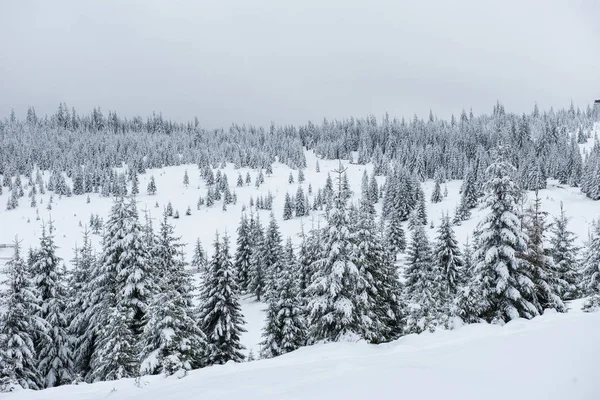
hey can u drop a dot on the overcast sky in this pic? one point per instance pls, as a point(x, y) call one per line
point(248, 61)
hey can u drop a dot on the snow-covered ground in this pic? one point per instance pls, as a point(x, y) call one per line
point(552, 357)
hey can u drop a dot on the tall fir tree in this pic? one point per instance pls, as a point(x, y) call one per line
point(504, 288)
point(448, 257)
point(243, 254)
point(564, 253)
point(171, 340)
point(424, 285)
point(285, 328)
point(335, 308)
point(220, 314)
point(19, 326)
point(53, 347)
point(548, 283)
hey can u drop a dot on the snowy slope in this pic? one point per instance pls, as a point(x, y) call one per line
point(552, 357)
point(68, 212)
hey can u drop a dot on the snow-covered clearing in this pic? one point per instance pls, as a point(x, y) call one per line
point(554, 356)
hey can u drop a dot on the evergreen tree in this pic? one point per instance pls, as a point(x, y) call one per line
point(505, 289)
point(395, 237)
point(151, 186)
point(591, 269)
point(379, 281)
point(243, 255)
point(19, 325)
point(448, 257)
point(548, 284)
point(285, 329)
point(199, 258)
point(564, 253)
point(300, 204)
point(79, 295)
point(171, 340)
point(424, 285)
point(220, 313)
point(186, 179)
point(135, 183)
point(288, 207)
point(257, 280)
point(436, 195)
point(53, 346)
point(273, 256)
point(335, 309)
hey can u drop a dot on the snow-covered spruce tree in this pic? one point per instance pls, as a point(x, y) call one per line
point(151, 186)
point(335, 308)
point(121, 287)
point(135, 275)
point(425, 289)
point(436, 195)
point(590, 282)
point(373, 189)
point(257, 279)
point(506, 290)
point(115, 355)
point(288, 207)
point(171, 340)
point(199, 258)
point(285, 328)
point(19, 325)
point(79, 302)
point(448, 257)
point(548, 284)
point(300, 203)
point(564, 252)
point(53, 347)
point(135, 183)
point(273, 256)
point(394, 235)
point(219, 314)
point(469, 196)
point(378, 279)
point(243, 255)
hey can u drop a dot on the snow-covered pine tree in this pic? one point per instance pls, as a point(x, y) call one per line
point(505, 289)
point(285, 329)
point(243, 255)
point(448, 257)
point(424, 285)
point(273, 256)
point(220, 316)
point(199, 258)
point(79, 302)
point(335, 307)
point(55, 363)
point(19, 325)
point(115, 356)
point(436, 195)
point(186, 179)
point(171, 340)
point(379, 280)
point(564, 252)
point(373, 189)
point(151, 186)
point(288, 207)
point(135, 275)
point(590, 282)
point(257, 281)
point(548, 283)
point(394, 234)
point(135, 183)
point(300, 205)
